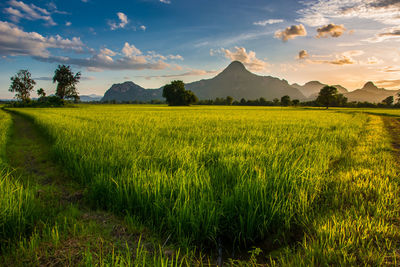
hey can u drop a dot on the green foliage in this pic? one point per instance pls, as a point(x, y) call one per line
point(285, 101)
point(44, 101)
point(66, 87)
point(296, 102)
point(388, 101)
point(22, 84)
point(41, 93)
point(176, 95)
point(17, 207)
point(328, 96)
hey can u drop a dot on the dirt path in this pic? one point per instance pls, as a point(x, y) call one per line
point(61, 201)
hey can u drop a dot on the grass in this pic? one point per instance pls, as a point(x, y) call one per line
point(298, 187)
point(45, 220)
point(17, 207)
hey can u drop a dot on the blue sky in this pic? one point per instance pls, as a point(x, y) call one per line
point(152, 42)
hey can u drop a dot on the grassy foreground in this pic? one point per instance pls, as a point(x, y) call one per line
point(307, 187)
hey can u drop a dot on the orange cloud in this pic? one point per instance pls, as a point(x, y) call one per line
point(331, 29)
point(291, 32)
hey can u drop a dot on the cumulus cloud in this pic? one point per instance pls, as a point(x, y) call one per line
point(302, 54)
point(130, 50)
point(291, 32)
point(101, 61)
point(165, 1)
point(320, 12)
point(142, 27)
point(19, 10)
point(123, 21)
point(330, 29)
point(268, 22)
point(249, 59)
point(15, 42)
point(68, 23)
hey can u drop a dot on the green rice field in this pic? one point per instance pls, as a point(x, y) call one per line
point(294, 186)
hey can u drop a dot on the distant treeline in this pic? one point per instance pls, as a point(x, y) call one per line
point(263, 102)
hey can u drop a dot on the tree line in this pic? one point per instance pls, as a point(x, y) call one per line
point(327, 97)
point(22, 84)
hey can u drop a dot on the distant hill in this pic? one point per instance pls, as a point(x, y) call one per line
point(235, 81)
point(311, 89)
point(370, 93)
point(129, 91)
point(90, 98)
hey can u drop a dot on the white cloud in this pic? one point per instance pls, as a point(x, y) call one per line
point(143, 27)
point(130, 50)
point(320, 12)
point(123, 21)
point(68, 23)
point(268, 22)
point(165, 1)
point(179, 57)
point(291, 32)
point(249, 59)
point(19, 10)
point(14, 42)
point(108, 52)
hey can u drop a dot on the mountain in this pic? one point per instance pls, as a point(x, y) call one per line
point(129, 91)
point(370, 93)
point(90, 98)
point(311, 89)
point(235, 81)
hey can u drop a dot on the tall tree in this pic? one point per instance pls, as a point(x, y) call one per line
point(285, 101)
point(22, 84)
point(229, 100)
point(66, 87)
point(388, 101)
point(176, 95)
point(41, 93)
point(328, 96)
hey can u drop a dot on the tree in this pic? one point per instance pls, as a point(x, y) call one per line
point(296, 102)
point(388, 101)
point(327, 96)
point(176, 95)
point(276, 101)
point(66, 82)
point(41, 93)
point(22, 84)
point(229, 100)
point(285, 101)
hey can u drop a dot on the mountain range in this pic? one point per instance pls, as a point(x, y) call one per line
point(236, 81)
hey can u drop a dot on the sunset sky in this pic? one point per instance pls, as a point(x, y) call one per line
point(152, 42)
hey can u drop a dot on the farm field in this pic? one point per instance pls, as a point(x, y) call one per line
point(292, 186)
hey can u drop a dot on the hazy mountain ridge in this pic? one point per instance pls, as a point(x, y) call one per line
point(236, 81)
point(370, 93)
